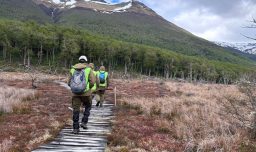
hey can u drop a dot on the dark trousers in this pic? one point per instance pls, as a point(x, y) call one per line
point(101, 94)
point(86, 102)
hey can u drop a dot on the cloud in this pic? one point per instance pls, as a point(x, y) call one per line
point(213, 20)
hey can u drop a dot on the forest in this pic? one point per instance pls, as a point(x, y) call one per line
point(55, 46)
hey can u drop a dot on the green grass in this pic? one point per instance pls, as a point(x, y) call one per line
point(148, 30)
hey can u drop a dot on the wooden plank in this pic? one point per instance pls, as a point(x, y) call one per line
point(93, 139)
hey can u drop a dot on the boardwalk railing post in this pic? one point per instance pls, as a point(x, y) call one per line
point(115, 95)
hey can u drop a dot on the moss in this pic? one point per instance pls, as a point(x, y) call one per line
point(137, 108)
point(247, 147)
point(23, 108)
point(116, 140)
point(154, 110)
point(163, 130)
point(124, 149)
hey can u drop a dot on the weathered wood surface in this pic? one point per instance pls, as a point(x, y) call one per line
point(93, 139)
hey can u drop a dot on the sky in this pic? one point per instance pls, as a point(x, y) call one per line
point(214, 20)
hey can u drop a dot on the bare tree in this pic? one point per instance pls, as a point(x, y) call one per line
point(33, 75)
point(244, 110)
point(252, 25)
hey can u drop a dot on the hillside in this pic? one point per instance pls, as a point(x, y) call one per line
point(57, 47)
point(22, 10)
point(132, 22)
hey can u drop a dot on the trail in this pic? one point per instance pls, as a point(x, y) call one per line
point(93, 139)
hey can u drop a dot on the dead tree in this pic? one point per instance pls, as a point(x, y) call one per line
point(244, 110)
point(33, 76)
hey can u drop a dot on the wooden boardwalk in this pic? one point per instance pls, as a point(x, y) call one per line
point(93, 139)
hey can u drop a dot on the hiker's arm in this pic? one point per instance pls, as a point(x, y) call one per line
point(69, 79)
point(97, 81)
point(91, 80)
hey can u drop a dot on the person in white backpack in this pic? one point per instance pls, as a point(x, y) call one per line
point(81, 81)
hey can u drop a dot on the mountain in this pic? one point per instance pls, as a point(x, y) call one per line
point(129, 21)
point(23, 10)
point(249, 48)
point(98, 6)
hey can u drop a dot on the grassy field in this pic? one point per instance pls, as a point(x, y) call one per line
point(175, 116)
point(31, 116)
point(150, 116)
point(14, 98)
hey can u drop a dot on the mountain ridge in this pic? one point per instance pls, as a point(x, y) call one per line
point(246, 47)
point(98, 5)
point(137, 24)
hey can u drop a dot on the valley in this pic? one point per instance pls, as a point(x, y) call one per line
point(169, 89)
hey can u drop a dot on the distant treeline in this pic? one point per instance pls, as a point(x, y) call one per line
point(32, 44)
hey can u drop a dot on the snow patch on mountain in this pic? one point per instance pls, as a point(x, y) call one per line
point(56, 1)
point(74, 3)
point(123, 8)
point(249, 48)
point(99, 2)
point(71, 2)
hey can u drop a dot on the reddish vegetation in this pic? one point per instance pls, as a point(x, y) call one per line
point(46, 115)
point(138, 88)
point(136, 131)
point(173, 116)
point(142, 132)
point(139, 125)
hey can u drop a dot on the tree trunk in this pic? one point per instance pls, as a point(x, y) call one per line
point(65, 63)
point(190, 72)
point(24, 56)
point(10, 59)
point(109, 67)
point(125, 68)
point(28, 59)
point(41, 53)
point(4, 52)
point(53, 55)
point(182, 75)
point(47, 57)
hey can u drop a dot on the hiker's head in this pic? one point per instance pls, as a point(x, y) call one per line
point(102, 68)
point(91, 65)
point(82, 59)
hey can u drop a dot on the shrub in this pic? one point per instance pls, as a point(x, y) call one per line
point(155, 110)
point(12, 99)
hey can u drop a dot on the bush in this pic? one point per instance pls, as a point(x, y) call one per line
point(155, 110)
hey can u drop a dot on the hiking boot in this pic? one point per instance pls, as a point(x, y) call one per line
point(75, 131)
point(84, 126)
point(98, 103)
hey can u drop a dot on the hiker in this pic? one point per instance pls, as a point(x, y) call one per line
point(93, 90)
point(81, 80)
point(102, 84)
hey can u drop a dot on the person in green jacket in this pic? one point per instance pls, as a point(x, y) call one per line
point(102, 84)
point(84, 98)
point(94, 88)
